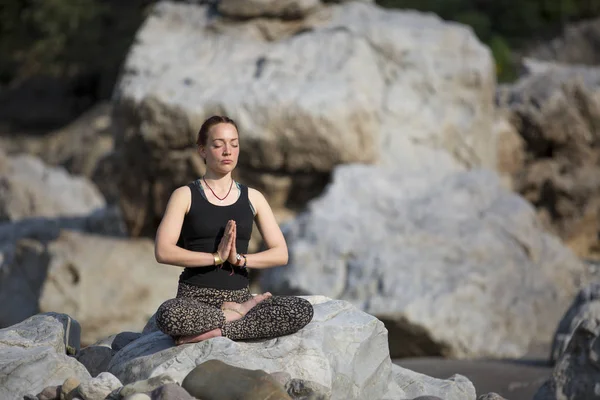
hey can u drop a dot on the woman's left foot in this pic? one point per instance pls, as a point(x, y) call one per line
point(198, 338)
point(249, 304)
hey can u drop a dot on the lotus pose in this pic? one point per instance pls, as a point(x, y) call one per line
point(214, 216)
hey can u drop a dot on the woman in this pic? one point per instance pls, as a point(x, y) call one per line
point(214, 217)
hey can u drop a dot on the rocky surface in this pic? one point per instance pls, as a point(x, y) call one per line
point(453, 263)
point(33, 357)
point(343, 350)
point(585, 306)
point(556, 110)
point(350, 82)
point(96, 357)
point(249, 384)
point(576, 374)
point(109, 285)
point(30, 188)
point(83, 148)
point(578, 44)
point(77, 147)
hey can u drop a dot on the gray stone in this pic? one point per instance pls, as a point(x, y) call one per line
point(150, 326)
point(95, 358)
point(352, 82)
point(100, 387)
point(248, 384)
point(123, 339)
point(170, 391)
point(146, 385)
point(452, 263)
point(355, 365)
point(491, 396)
point(33, 357)
point(577, 371)
point(586, 305)
point(24, 257)
point(50, 393)
point(414, 384)
point(121, 275)
point(301, 389)
point(29, 188)
point(69, 388)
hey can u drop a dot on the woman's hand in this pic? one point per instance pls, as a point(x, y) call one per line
point(231, 257)
point(227, 241)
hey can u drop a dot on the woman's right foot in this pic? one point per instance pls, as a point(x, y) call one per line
point(198, 338)
point(242, 309)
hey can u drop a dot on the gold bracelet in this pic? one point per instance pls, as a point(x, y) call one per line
point(218, 259)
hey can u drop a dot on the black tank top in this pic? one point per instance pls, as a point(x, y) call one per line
point(202, 230)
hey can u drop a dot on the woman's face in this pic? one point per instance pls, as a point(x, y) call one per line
point(222, 148)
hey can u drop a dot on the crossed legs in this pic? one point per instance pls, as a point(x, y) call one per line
point(202, 313)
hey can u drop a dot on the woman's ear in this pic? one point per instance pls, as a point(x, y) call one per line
point(202, 152)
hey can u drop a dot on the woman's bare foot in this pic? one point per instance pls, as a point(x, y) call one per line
point(247, 305)
point(198, 338)
point(234, 311)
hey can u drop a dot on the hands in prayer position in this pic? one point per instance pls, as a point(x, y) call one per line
point(227, 248)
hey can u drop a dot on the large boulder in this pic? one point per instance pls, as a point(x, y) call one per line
point(453, 263)
point(33, 357)
point(109, 285)
point(556, 110)
point(350, 82)
point(342, 350)
point(30, 188)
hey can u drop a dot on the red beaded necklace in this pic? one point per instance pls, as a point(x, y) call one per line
point(213, 192)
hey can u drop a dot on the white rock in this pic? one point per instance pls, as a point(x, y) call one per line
point(452, 263)
point(99, 387)
point(33, 357)
point(342, 349)
point(352, 83)
point(29, 188)
point(109, 285)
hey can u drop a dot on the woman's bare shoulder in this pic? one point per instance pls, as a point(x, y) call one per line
point(181, 197)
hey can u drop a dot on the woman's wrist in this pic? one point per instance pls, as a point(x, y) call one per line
point(241, 260)
point(217, 258)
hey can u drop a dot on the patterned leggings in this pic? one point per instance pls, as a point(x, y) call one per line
point(196, 310)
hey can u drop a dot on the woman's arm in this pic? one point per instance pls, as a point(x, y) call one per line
point(277, 251)
point(166, 250)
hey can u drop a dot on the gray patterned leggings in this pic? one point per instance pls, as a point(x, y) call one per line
point(196, 310)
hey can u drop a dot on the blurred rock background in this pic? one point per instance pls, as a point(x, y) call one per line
point(436, 163)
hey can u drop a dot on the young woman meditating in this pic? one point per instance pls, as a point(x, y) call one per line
point(214, 216)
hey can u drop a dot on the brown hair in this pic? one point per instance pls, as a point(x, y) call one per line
point(209, 123)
